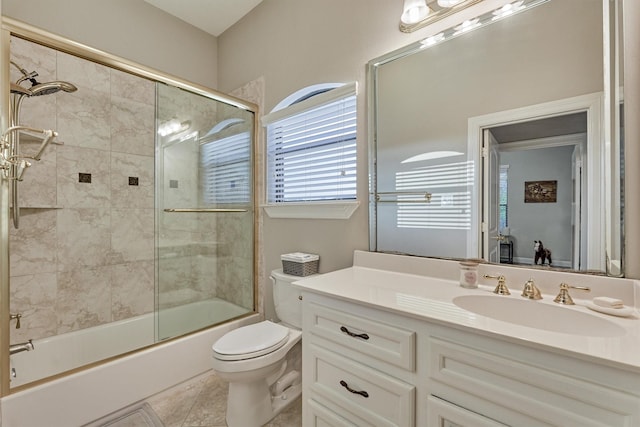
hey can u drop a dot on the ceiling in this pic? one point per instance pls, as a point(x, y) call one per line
point(212, 16)
point(542, 128)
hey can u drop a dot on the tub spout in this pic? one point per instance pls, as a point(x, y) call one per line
point(18, 348)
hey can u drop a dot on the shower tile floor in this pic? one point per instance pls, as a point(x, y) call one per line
point(202, 401)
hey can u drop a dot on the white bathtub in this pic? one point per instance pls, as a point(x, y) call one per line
point(92, 393)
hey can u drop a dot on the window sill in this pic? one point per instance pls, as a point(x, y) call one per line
point(314, 210)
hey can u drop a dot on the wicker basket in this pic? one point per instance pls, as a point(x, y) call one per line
point(300, 264)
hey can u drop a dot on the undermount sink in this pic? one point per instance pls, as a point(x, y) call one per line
point(535, 314)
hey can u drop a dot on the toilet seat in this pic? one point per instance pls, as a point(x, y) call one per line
point(251, 341)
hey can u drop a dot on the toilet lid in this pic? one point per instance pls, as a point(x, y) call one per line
point(251, 341)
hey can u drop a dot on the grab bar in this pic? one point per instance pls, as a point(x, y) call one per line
point(426, 197)
point(205, 210)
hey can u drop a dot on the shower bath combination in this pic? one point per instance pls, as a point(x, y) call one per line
point(12, 161)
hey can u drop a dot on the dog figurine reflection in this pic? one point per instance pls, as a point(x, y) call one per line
point(541, 253)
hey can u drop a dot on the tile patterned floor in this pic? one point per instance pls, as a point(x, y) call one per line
point(201, 402)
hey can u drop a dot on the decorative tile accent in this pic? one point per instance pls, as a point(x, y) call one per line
point(122, 167)
point(72, 191)
point(133, 180)
point(84, 178)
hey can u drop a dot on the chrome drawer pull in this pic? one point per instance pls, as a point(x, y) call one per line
point(361, 393)
point(351, 334)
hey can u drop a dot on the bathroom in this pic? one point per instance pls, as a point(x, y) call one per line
point(256, 54)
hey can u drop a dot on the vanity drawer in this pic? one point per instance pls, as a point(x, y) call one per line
point(321, 416)
point(375, 397)
point(378, 340)
point(480, 379)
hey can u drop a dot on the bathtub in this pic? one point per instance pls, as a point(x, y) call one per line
point(89, 394)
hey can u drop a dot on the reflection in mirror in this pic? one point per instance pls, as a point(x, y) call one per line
point(492, 140)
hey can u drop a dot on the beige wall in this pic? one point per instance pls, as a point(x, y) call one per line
point(296, 43)
point(292, 44)
point(131, 29)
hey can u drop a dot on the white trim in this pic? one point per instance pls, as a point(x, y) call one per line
point(592, 104)
point(348, 89)
point(312, 210)
point(553, 141)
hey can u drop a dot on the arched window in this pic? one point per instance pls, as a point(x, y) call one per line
point(311, 146)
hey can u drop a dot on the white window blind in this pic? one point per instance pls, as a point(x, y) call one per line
point(311, 152)
point(226, 170)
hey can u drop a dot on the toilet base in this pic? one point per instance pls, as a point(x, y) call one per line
point(252, 404)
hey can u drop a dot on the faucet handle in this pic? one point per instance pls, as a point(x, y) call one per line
point(16, 316)
point(564, 297)
point(501, 289)
point(531, 291)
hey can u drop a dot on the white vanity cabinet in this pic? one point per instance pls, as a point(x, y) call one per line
point(364, 366)
point(357, 370)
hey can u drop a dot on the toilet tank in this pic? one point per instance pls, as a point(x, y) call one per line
point(286, 298)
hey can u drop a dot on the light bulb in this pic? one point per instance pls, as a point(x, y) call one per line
point(414, 11)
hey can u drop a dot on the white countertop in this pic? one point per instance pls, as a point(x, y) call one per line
point(431, 299)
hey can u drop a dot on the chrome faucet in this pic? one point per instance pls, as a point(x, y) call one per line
point(531, 291)
point(19, 348)
point(501, 289)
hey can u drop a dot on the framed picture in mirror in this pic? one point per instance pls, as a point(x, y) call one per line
point(540, 191)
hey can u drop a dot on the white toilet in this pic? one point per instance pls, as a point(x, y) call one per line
point(253, 360)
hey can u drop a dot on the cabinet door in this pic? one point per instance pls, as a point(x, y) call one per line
point(321, 416)
point(441, 413)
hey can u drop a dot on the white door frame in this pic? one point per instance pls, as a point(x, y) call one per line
point(592, 104)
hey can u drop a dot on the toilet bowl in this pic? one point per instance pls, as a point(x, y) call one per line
point(253, 359)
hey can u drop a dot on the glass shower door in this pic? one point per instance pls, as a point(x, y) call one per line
point(204, 212)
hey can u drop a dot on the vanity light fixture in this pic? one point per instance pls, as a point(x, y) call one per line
point(504, 11)
point(419, 13)
point(414, 11)
point(448, 3)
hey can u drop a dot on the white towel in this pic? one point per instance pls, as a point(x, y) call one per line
point(608, 302)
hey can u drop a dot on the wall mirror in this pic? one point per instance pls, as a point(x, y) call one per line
point(484, 143)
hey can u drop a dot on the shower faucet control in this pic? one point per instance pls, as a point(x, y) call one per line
point(16, 316)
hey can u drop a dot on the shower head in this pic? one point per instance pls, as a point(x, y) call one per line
point(51, 87)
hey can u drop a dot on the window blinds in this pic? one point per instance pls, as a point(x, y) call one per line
point(226, 170)
point(311, 153)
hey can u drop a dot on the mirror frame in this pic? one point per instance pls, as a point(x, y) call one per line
point(611, 178)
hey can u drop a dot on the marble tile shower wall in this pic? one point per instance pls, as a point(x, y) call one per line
point(84, 252)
